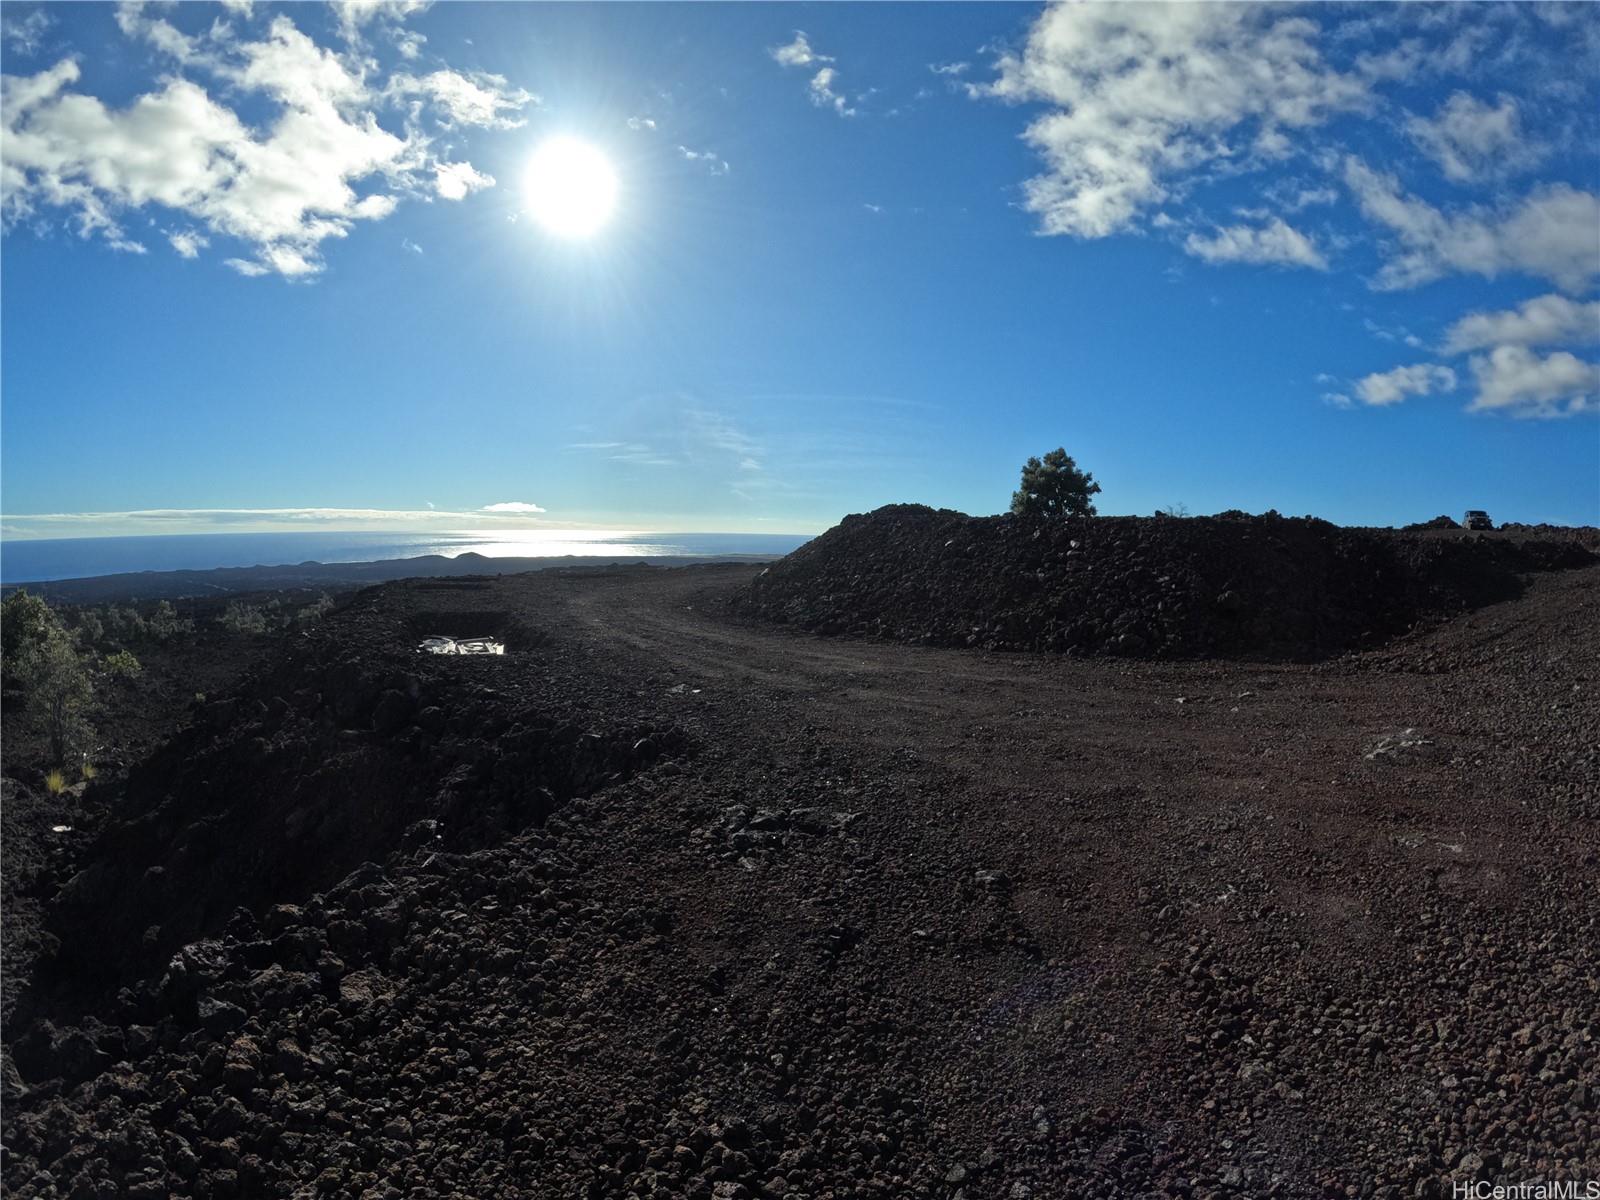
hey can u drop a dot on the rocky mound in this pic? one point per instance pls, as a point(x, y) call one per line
point(1439, 522)
point(350, 746)
point(1232, 586)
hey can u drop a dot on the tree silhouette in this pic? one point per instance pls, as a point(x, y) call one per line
point(1053, 487)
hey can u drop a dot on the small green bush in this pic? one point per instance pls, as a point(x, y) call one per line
point(123, 665)
point(314, 612)
point(243, 618)
point(165, 623)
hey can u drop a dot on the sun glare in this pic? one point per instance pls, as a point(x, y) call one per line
point(571, 187)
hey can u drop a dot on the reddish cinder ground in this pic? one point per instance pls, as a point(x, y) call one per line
point(711, 909)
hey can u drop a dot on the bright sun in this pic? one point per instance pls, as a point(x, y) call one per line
point(571, 187)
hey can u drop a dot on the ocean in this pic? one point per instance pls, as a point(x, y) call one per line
point(33, 561)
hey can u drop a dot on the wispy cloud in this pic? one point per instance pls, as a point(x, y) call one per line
point(821, 87)
point(188, 243)
point(637, 453)
point(797, 53)
point(823, 94)
point(713, 432)
point(24, 35)
point(1470, 140)
point(1549, 234)
point(1275, 242)
point(707, 158)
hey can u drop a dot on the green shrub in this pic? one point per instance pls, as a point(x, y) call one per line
point(243, 618)
point(123, 665)
point(53, 675)
point(165, 623)
point(125, 624)
point(24, 620)
point(91, 629)
point(315, 611)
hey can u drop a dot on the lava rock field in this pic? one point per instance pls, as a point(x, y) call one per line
point(672, 901)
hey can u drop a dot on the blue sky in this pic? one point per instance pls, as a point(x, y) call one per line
point(275, 266)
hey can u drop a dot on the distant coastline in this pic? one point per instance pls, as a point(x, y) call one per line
point(55, 560)
point(331, 577)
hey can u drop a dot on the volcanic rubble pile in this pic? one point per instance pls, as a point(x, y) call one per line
point(335, 941)
point(1248, 587)
point(348, 746)
point(454, 1026)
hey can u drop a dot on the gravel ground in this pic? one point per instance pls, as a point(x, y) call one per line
point(711, 909)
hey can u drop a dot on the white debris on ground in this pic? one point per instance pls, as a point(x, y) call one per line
point(445, 645)
point(1405, 744)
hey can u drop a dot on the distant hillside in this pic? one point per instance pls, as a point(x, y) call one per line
point(177, 585)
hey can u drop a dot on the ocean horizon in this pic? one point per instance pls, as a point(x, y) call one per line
point(45, 560)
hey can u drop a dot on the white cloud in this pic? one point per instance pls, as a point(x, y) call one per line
point(476, 98)
point(1291, 195)
point(1517, 380)
point(1143, 95)
point(457, 180)
point(637, 123)
point(715, 165)
point(353, 15)
point(1275, 242)
point(283, 183)
point(512, 506)
point(408, 244)
point(188, 243)
point(1541, 321)
point(820, 88)
point(949, 68)
point(1471, 141)
point(1391, 387)
point(823, 95)
point(797, 53)
point(158, 31)
point(1550, 233)
point(25, 34)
